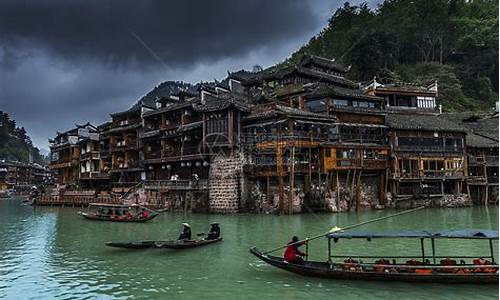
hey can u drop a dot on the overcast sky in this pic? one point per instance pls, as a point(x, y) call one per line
point(66, 62)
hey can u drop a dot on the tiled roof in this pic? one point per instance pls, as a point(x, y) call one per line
point(421, 122)
point(290, 112)
point(321, 91)
point(220, 102)
point(324, 62)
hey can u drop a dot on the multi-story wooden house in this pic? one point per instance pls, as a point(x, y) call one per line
point(428, 156)
point(482, 154)
point(406, 97)
point(125, 149)
point(66, 153)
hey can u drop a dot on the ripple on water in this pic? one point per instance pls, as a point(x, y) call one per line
point(51, 254)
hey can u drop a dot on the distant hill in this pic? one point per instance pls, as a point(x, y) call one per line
point(452, 41)
point(15, 144)
point(164, 89)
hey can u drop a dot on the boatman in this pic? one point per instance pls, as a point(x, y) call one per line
point(186, 232)
point(292, 253)
point(214, 232)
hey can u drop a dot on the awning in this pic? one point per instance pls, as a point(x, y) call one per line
point(452, 234)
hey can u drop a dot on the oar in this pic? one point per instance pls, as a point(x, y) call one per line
point(335, 229)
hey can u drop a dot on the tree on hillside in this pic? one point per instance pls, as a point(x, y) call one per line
point(454, 40)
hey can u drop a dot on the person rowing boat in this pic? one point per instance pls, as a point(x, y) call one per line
point(214, 232)
point(292, 253)
point(186, 233)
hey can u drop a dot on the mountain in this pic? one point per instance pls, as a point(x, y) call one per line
point(452, 41)
point(164, 89)
point(15, 144)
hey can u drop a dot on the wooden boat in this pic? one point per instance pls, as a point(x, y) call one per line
point(133, 244)
point(186, 244)
point(416, 271)
point(119, 213)
point(172, 244)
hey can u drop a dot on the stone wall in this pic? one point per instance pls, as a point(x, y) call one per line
point(314, 197)
point(225, 183)
point(449, 200)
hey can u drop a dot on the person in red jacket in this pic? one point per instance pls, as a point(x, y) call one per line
point(292, 253)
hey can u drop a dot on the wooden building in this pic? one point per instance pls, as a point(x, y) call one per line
point(482, 154)
point(65, 151)
point(406, 97)
point(428, 157)
point(298, 138)
point(125, 149)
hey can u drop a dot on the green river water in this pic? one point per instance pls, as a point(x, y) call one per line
point(51, 252)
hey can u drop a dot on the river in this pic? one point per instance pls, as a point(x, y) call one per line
point(51, 252)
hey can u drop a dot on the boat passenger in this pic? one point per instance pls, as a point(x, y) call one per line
point(214, 232)
point(482, 261)
point(352, 265)
point(186, 232)
point(128, 215)
point(448, 262)
point(144, 214)
point(381, 269)
point(292, 253)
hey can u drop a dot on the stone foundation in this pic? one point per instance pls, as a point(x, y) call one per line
point(225, 182)
point(449, 200)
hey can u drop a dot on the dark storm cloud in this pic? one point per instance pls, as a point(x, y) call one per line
point(149, 33)
point(71, 61)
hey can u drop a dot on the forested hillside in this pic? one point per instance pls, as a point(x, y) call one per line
point(15, 144)
point(452, 41)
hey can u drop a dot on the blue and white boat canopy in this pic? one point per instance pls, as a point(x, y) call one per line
point(451, 234)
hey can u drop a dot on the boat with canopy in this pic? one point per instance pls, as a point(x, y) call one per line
point(119, 213)
point(429, 266)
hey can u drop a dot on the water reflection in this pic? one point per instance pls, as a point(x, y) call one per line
point(52, 253)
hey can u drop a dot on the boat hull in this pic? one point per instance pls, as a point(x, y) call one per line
point(321, 269)
point(132, 245)
point(185, 244)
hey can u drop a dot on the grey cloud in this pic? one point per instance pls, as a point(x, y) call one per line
point(141, 33)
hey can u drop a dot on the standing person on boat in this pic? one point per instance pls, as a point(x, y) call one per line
point(186, 232)
point(214, 232)
point(292, 253)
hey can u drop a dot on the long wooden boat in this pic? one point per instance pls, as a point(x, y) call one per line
point(103, 213)
point(172, 244)
point(133, 244)
point(179, 244)
point(423, 271)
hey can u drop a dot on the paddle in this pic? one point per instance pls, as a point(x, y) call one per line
point(335, 229)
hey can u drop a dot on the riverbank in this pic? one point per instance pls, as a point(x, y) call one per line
point(49, 251)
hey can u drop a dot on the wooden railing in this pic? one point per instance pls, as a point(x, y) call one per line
point(176, 184)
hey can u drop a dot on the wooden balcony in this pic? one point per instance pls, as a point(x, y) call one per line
point(90, 155)
point(176, 185)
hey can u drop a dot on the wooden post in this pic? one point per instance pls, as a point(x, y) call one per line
point(433, 251)
point(492, 253)
point(291, 179)
point(423, 249)
point(338, 189)
point(279, 172)
point(486, 196)
point(358, 190)
point(268, 190)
